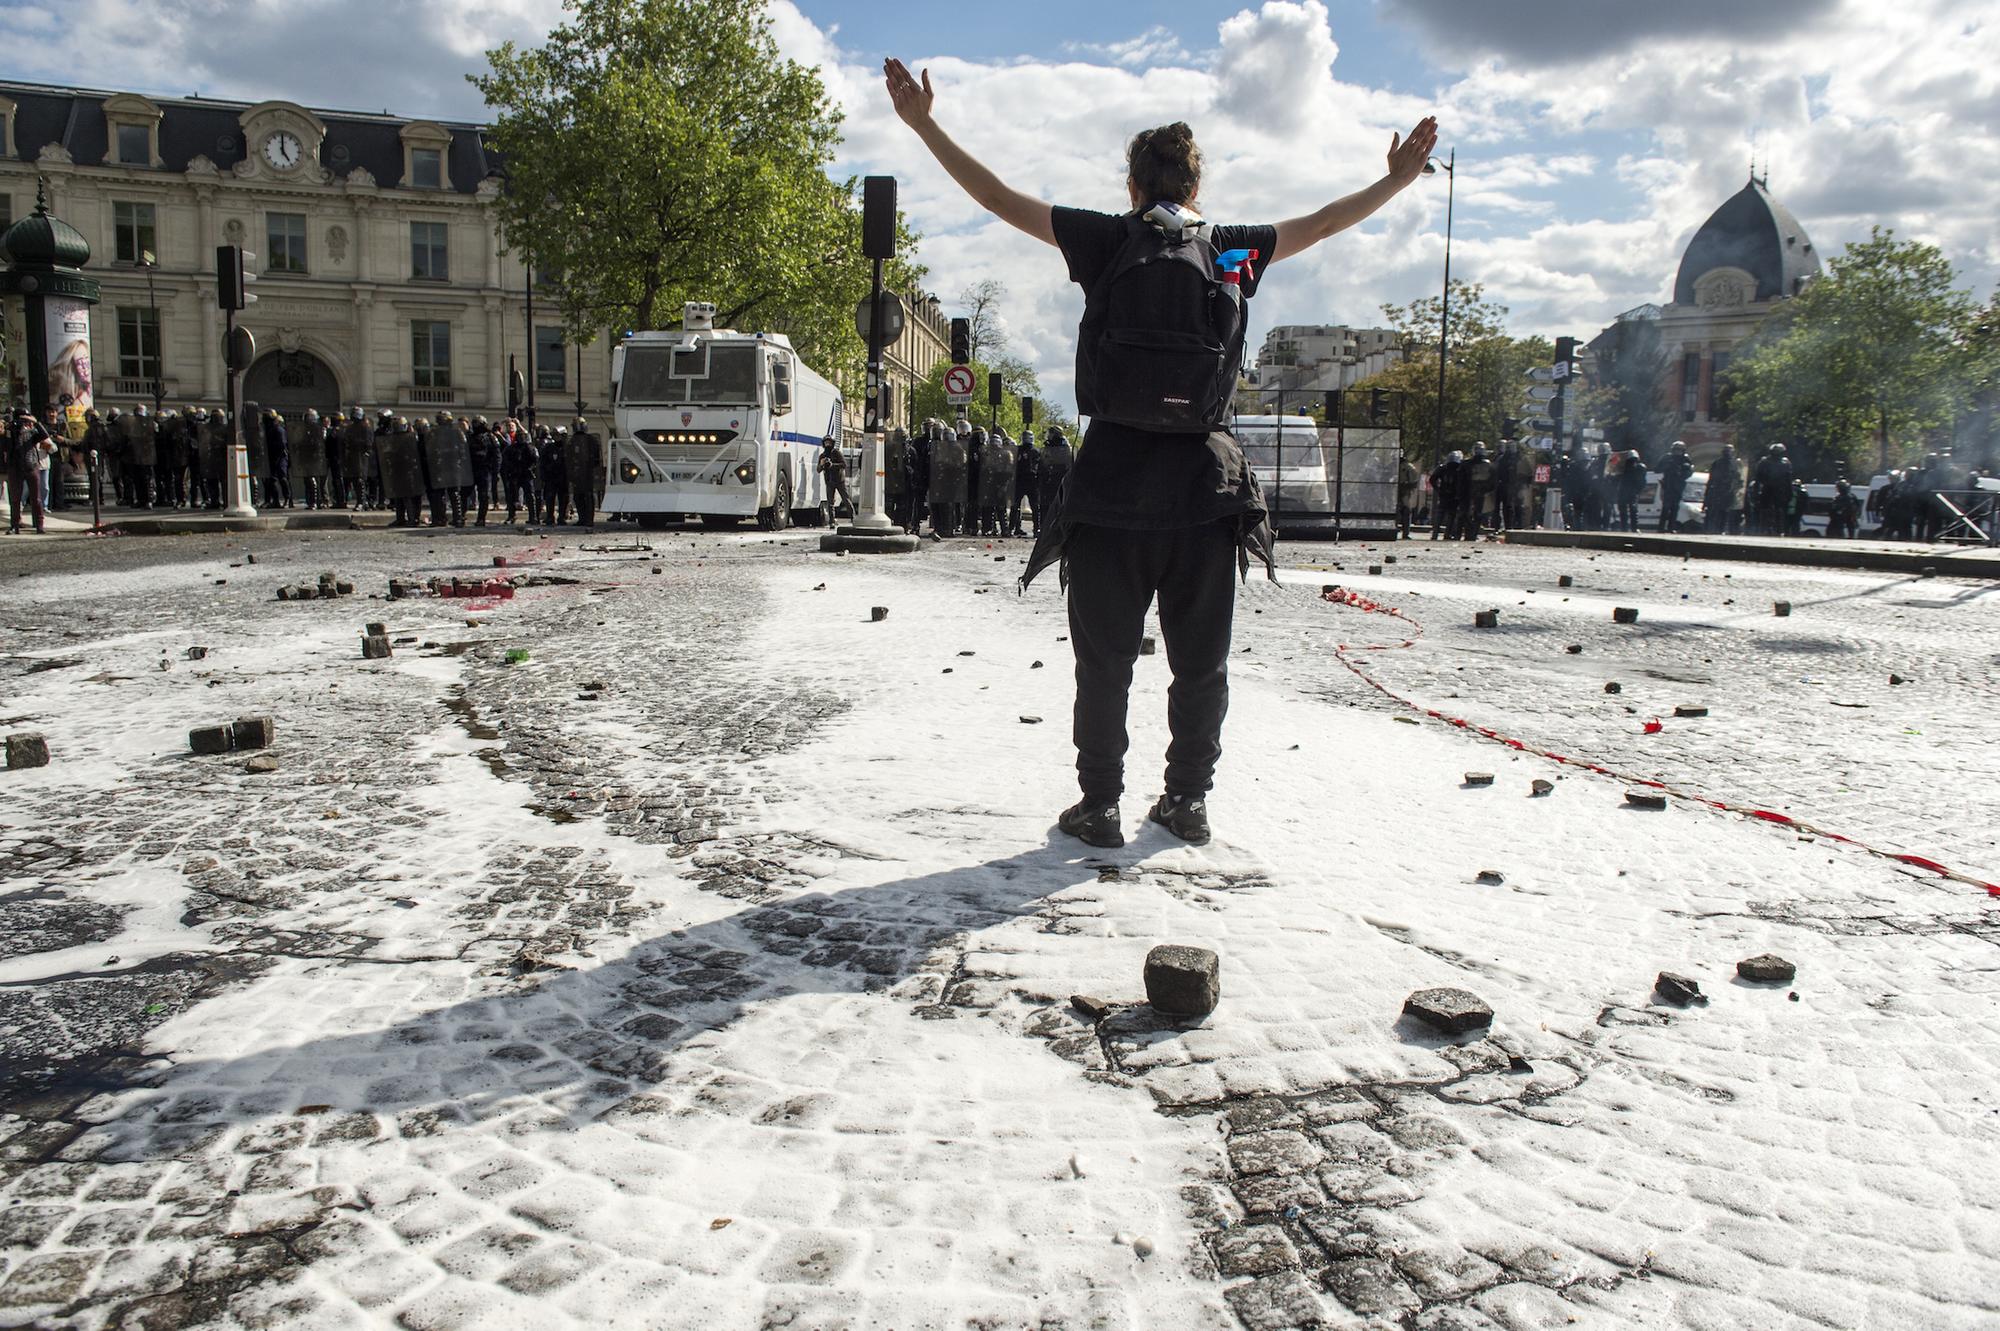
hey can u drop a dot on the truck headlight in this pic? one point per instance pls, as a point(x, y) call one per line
point(747, 473)
point(628, 470)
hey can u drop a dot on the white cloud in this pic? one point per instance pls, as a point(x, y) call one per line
point(1157, 45)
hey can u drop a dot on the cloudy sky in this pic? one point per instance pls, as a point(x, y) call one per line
point(1592, 137)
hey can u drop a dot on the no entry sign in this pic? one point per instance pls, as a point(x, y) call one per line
point(958, 383)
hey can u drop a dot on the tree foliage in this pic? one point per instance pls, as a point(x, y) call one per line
point(1484, 377)
point(661, 151)
point(1875, 359)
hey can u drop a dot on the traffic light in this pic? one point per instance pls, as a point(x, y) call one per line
point(1027, 414)
point(1378, 405)
point(1565, 354)
point(517, 389)
point(996, 392)
point(232, 273)
point(961, 341)
point(878, 217)
point(883, 413)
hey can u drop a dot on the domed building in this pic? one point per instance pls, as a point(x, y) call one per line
point(1749, 255)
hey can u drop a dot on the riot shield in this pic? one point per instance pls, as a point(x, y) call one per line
point(996, 474)
point(142, 440)
point(309, 451)
point(447, 456)
point(402, 464)
point(583, 458)
point(895, 465)
point(357, 456)
point(214, 442)
point(948, 471)
point(250, 423)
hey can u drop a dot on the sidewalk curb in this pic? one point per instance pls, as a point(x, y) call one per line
point(1974, 562)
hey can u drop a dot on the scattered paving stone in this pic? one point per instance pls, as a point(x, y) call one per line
point(1034, 665)
point(1574, 649)
point(1406, 720)
point(1645, 799)
point(1031, 720)
point(211, 740)
point(1624, 614)
point(1690, 710)
point(1375, 568)
point(1678, 989)
point(1146, 646)
point(1096, 1009)
point(375, 647)
point(1565, 581)
point(197, 653)
point(876, 613)
point(1490, 877)
point(1183, 981)
point(499, 561)
point(1897, 679)
point(1768, 968)
point(1452, 1011)
point(25, 751)
point(1541, 786)
point(1613, 686)
point(1781, 609)
point(376, 629)
point(261, 764)
point(253, 732)
point(1479, 778)
point(1486, 619)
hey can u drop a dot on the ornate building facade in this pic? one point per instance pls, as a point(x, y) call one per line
point(1747, 257)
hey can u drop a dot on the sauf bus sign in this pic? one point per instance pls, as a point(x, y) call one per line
point(958, 384)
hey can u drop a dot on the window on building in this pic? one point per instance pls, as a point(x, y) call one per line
point(1690, 384)
point(1718, 391)
point(138, 343)
point(133, 230)
point(135, 145)
point(427, 168)
point(430, 353)
point(285, 237)
point(428, 256)
point(549, 358)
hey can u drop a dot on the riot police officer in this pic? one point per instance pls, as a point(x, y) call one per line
point(832, 468)
point(1057, 458)
point(583, 471)
point(1027, 480)
point(555, 474)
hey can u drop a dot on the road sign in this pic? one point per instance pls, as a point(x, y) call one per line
point(1542, 473)
point(1542, 374)
point(1539, 423)
point(892, 317)
point(1543, 392)
point(958, 385)
point(1542, 441)
point(1533, 408)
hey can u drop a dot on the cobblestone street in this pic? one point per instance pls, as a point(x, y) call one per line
point(669, 945)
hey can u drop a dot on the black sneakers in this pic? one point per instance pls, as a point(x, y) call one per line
point(1186, 816)
point(1094, 822)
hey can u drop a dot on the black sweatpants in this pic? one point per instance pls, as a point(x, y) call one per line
point(1114, 576)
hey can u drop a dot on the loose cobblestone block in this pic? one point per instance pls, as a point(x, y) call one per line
point(1645, 799)
point(1452, 1011)
point(1767, 969)
point(27, 751)
point(1782, 609)
point(1678, 989)
point(1479, 778)
point(375, 647)
point(1690, 710)
point(1613, 686)
point(254, 732)
point(1183, 981)
point(376, 629)
point(1541, 786)
point(1565, 580)
point(211, 739)
point(1147, 646)
point(878, 613)
point(1625, 614)
point(1375, 569)
point(1486, 619)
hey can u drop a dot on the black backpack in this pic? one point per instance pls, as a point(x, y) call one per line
point(1161, 341)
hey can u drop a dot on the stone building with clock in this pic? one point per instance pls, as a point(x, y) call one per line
point(380, 277)
point(1748, 257)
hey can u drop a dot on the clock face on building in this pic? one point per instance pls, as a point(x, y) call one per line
point(282, 151)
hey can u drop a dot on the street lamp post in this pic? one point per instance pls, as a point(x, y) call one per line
point(149, 263)
point(1444, 314)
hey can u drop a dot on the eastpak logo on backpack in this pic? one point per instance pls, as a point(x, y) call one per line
point(1161, 341)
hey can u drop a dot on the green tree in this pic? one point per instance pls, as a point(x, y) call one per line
point(1877, 352)
point(1484, 376)
point(1018, 380)
point(660, 151)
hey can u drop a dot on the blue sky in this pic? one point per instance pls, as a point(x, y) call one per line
point(1592, 136)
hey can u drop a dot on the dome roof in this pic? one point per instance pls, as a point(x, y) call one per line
point(41, 241)
point(1754, 232)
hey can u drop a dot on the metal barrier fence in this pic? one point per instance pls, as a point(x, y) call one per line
point(1970, 517)
point(1335, 479)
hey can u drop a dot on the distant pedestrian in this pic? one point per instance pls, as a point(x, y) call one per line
point(832, 469)
point(1675, 469)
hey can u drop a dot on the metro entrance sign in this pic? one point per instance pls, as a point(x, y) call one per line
point(958, 385)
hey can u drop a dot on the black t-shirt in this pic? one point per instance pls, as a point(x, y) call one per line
point(1138, 479)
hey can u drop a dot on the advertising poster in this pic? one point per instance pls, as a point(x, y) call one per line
point(68, 324)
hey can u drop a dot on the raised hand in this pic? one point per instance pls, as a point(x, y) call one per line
point(1407, 156)
point(912, 101)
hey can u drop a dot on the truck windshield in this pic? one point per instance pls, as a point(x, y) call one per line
point(1260, 446)
point(670, 376)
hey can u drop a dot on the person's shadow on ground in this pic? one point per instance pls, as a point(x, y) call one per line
point(571, 1044)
